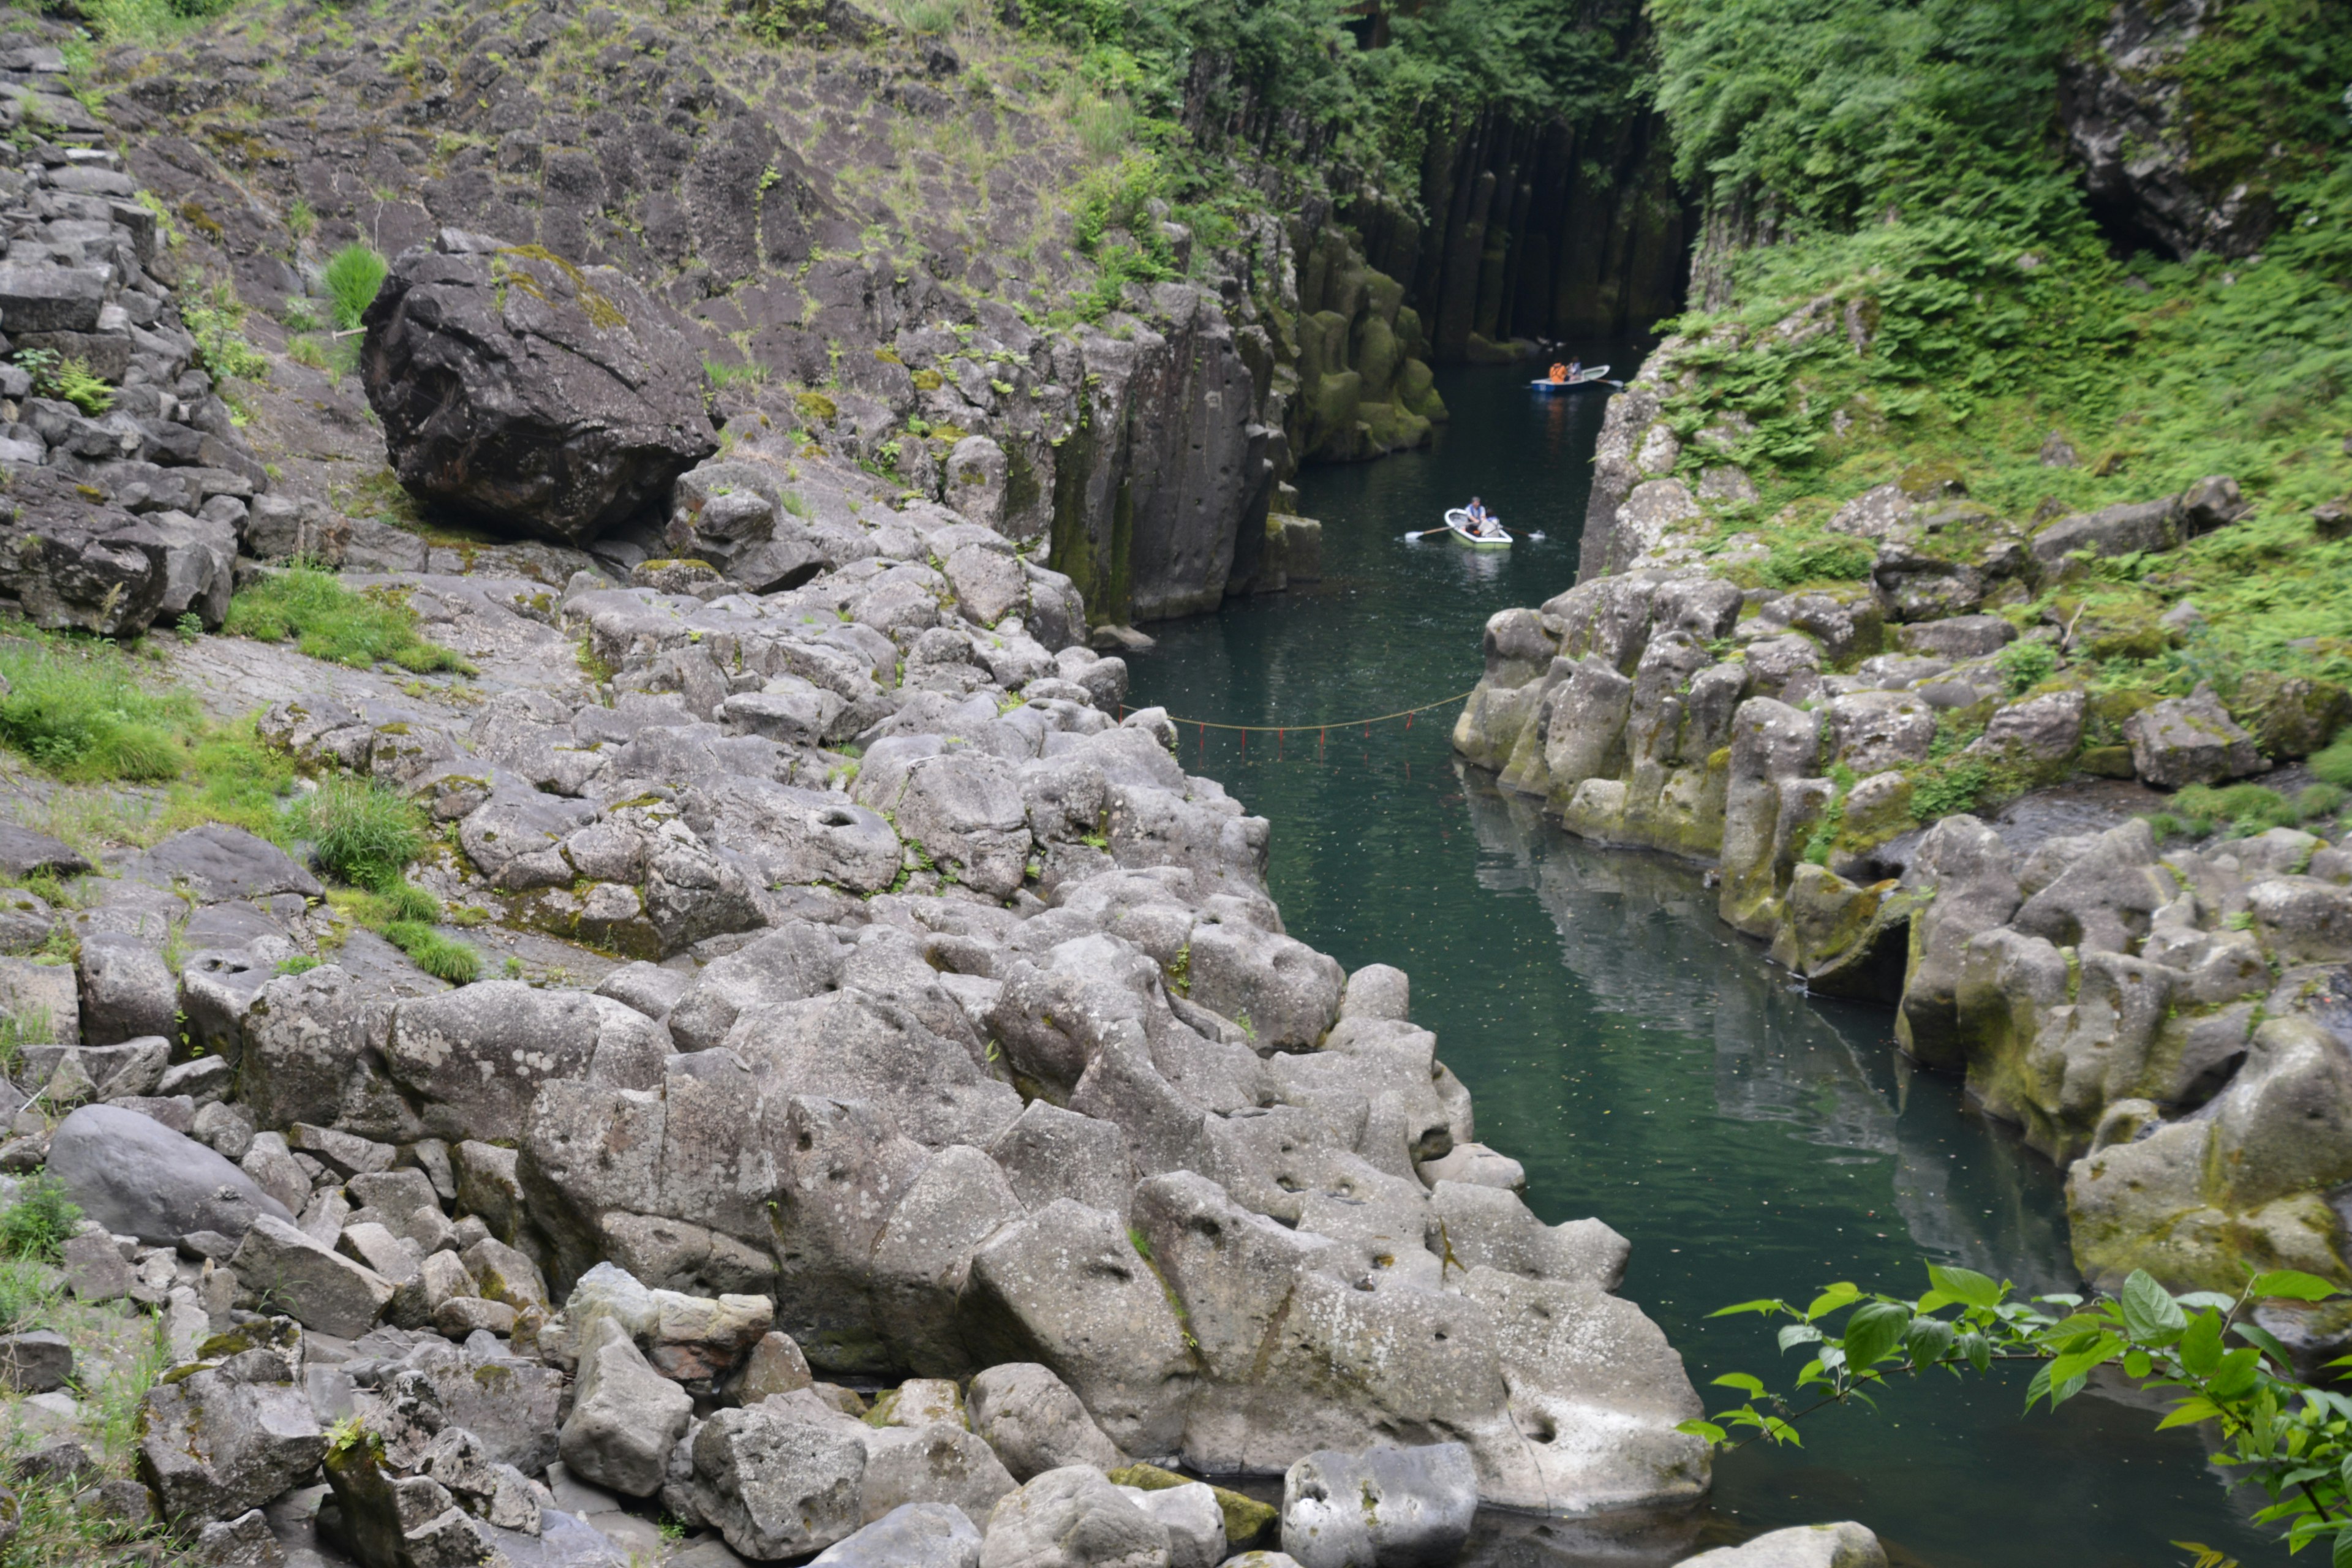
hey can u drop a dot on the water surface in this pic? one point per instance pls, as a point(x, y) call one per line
point(1644, 1062)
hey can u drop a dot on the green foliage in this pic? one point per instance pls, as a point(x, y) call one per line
point(1796, 562)
point(39, 1223)
point(2334, 765)
point(353, 274)
point(363, 833)
point(1943, 789)
point(300, 963)
point(1296, 73)
point(29, 1293)
point(329, 621)
point(442, 957)
point(1832, 110)
point(2243, 809)
point(67, 378)
point(77, 710)
point(27, 1026)
point(2201, 1351)
point(2026, 665)
point(215, 318)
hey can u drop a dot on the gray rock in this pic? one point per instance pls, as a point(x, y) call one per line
point(1841, 1546)
point(1068, 1282)
point(2111, 531)
point(95, 1269)
point(576, 400)
point(478, 1054)
point(647, 987)
point(137, 1177)
point(779, 1480)
point(244, 1541)
point(36, 1361)
point(793, 963)
point(2190, 739)
point(25, 852)
point(1073, 1517)
point(1194, 1522)
point(626, 1417)
point(1386, 1508)
point(229, 1437)
point(219, 863)
point(321, 1289)
point(912, 1535)
point(1035, 1422)
point(1957, 636)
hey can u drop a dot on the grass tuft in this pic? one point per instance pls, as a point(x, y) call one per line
point(365, 834)
point(353, 276)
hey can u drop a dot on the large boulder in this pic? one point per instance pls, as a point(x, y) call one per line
point(2190, 739)
point(532, 394)
point(137, 1177)
point(478, 1054)
point(320, 1289)
point(912, 1535)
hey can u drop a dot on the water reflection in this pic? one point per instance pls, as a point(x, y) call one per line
point(1639, 929)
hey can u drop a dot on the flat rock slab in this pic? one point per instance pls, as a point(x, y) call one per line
point(221, 862)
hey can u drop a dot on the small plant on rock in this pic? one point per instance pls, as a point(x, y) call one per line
point(353, 276)
point(37, 1224)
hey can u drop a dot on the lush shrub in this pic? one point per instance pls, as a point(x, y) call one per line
point(1952, 787)
point(329, 621)
point(363, 833)
point(353, 274)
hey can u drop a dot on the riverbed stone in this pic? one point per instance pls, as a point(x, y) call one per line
point(1385, 1508)
point(1841, 1546)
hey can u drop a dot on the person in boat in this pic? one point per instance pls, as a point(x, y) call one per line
point(1559, 374)
point(1575, 369)
point(1481, 525)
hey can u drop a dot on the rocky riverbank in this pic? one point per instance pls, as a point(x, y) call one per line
point(1865, 759)
point(893, 1108)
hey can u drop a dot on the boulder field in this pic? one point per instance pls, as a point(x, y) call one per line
point(2168, 1021)
point(900, 1017)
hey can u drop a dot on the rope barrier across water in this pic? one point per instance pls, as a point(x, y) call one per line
point(1404, 713)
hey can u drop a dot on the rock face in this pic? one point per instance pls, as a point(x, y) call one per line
point(529, 393)
point(2131, 131)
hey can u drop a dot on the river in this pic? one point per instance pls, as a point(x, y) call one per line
point(1641, 1061)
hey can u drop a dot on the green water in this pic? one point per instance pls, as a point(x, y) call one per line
point(1643, 1062)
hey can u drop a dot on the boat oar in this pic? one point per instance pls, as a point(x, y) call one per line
point(1425, 533)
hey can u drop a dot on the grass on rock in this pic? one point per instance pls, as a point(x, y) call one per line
point(327, 620)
